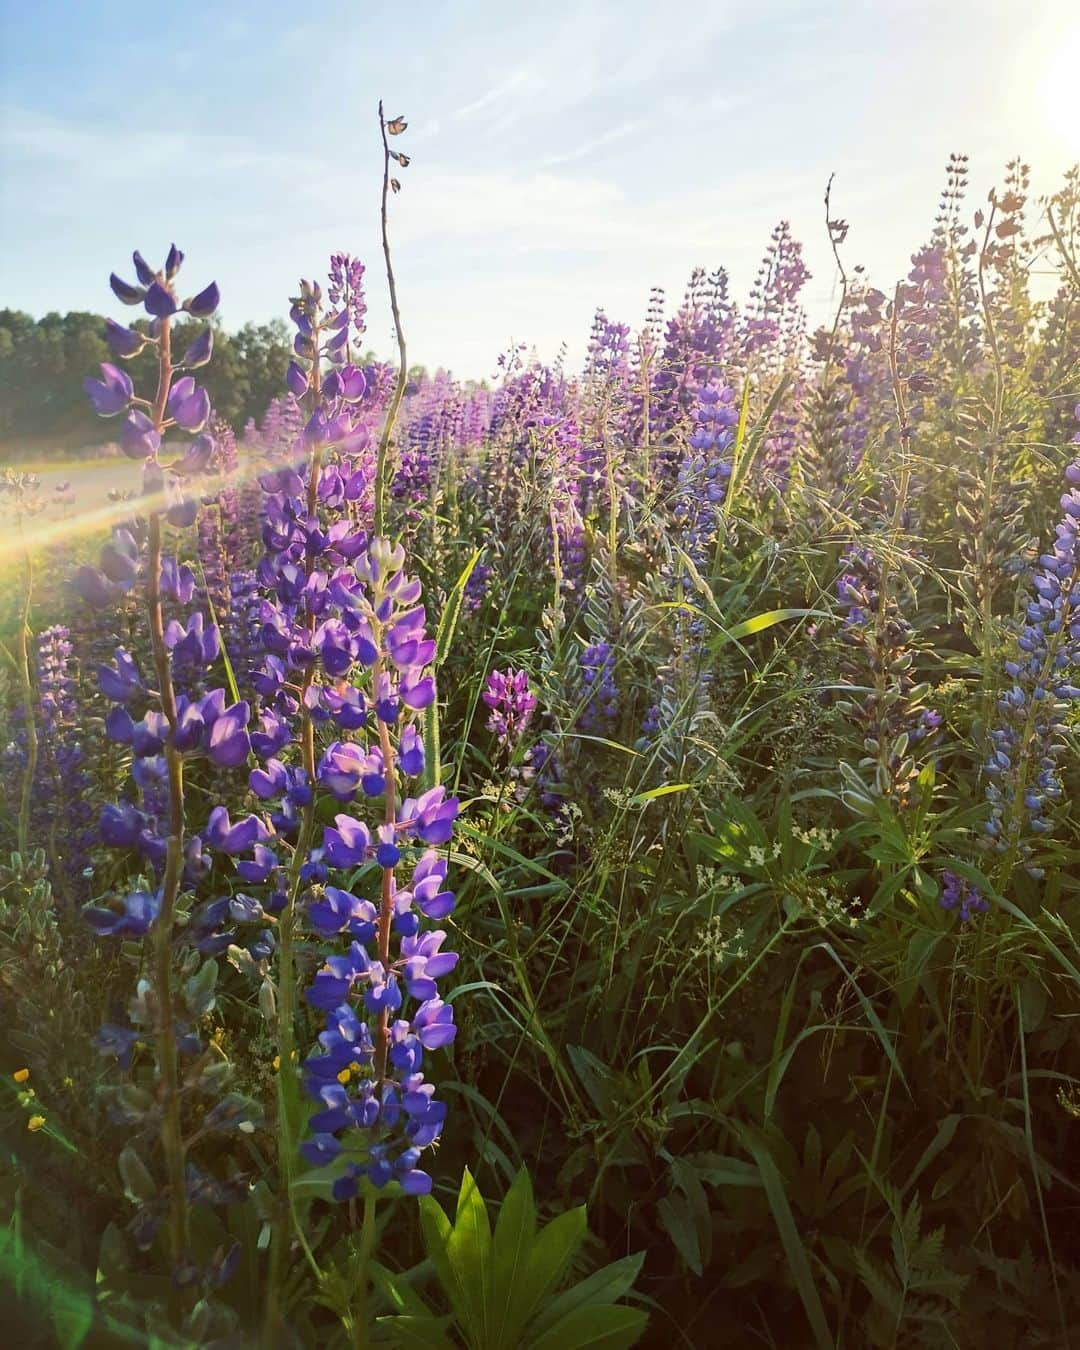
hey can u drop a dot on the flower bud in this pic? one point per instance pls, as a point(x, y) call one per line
point(297, 380)
point(138, 436)
point(203, 305)
point(124, 291)
point(123, 341)
point(159, 302)
point(143, 270)
point(200, 351)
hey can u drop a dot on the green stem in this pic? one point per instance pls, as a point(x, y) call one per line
point(171, 1134)
point(360, 1317)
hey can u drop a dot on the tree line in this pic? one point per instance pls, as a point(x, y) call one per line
point(43, 363)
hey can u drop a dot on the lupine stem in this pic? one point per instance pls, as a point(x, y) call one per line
point(172, 1142)
point(403, 369)
point(359, 1313)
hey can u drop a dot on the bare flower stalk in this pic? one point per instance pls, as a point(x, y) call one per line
point(381, 464)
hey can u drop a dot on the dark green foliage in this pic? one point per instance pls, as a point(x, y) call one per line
point(43, 363)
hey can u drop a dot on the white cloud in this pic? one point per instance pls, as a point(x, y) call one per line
point(523, 82)
point(601, 142)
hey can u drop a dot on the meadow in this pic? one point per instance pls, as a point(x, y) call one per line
point(584, 859)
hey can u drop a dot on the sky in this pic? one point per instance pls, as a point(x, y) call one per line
point(564, 156)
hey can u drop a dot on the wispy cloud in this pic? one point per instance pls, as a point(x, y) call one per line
point(120, 151)
point(601, 142)
point(521, 82)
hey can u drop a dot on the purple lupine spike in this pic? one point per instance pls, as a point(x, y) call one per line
point(512, 704)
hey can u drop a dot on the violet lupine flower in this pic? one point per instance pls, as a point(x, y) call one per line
point(960, 895)
point(60, 809)
point(346, 288)
point(476, 588)
point(602, 695)
point(549, 783)
point(205, 726)
point(608, 350)
point(697, 339)
point(704, 473)
point(773, 319)
point(512, 705)
point(650, 725)
point(377, 1112)
point(133, 916)
point(111, 394)
point(1045, 670)
point(187, 406)
point(557, 437)
point(211, 551)
point(65, 787)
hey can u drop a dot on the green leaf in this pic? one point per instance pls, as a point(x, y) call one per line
point(72, 1316)
point(606, 1285)
point(678, 1223)
point(717, 1170)
point(515, 1233)
point(468, 1249)
point(871, 1016)
point(448, 620)
point(397, 1290)
point(880, 1283)
point(600, 1327)
point(139, 1185)
point(760, 622)
point(114, 1260)
point(437, 1229)
point(419, 1333)
point(551, 1254)
point(594, 1075)
point(199, 990)
point(689, 1182)
point(797, 1256)
point(229, 673)
point(1032, 1001)
point(641, 798)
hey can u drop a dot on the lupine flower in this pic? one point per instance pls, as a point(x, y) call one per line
point(512, 705)
point(602, 695)
point(1025, 782)
point(133, 917)
point(960, 895)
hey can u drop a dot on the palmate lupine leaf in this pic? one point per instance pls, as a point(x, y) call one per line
point(599, 1327)
point(500, 1284)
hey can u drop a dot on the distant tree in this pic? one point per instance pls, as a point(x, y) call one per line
point(43, 363)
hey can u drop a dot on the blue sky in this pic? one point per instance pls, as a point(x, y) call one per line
point(564, 156)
